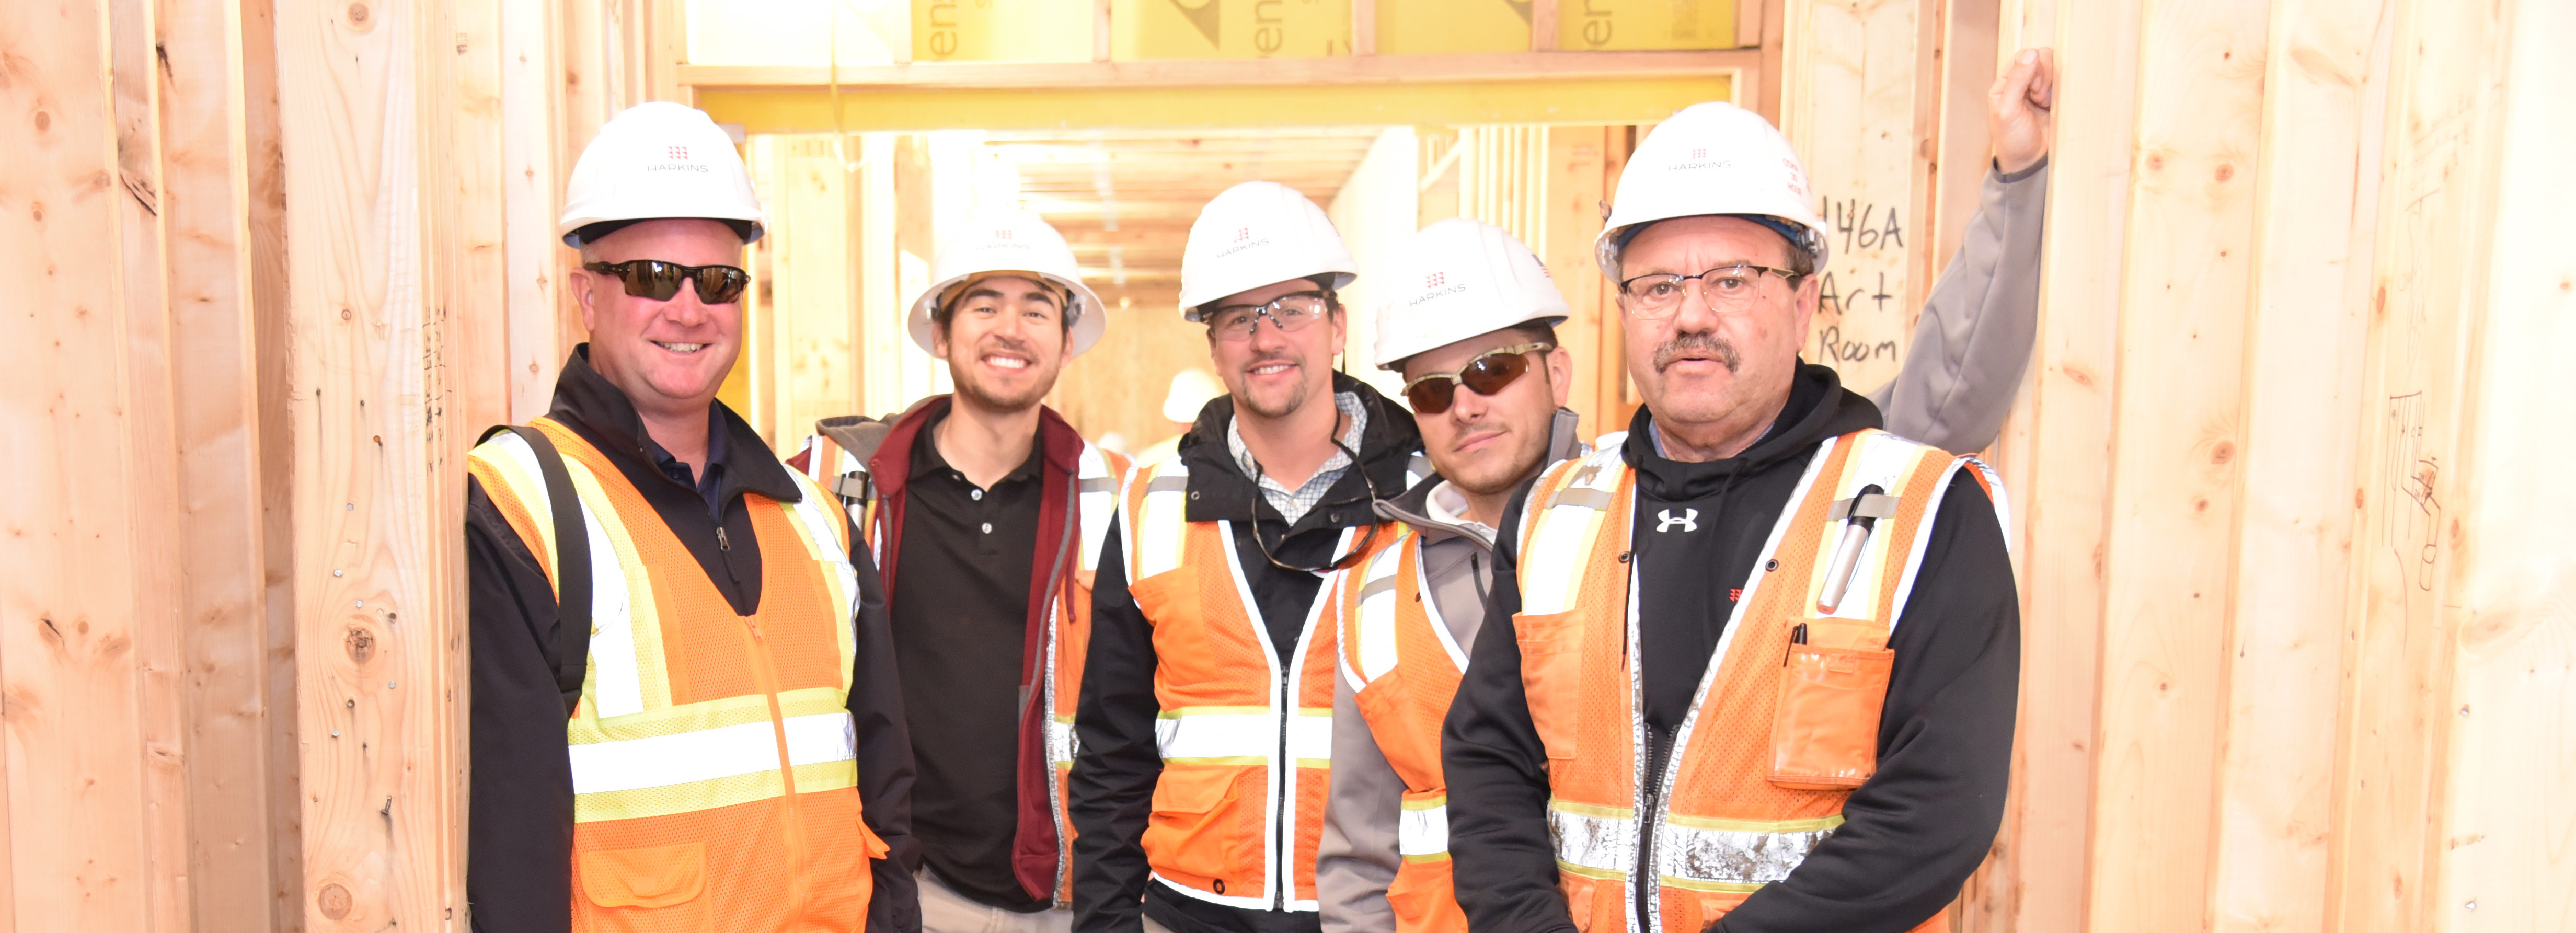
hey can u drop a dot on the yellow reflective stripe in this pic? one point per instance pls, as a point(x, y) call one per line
point(710, 794)
point(1374, 641)
point(1180, 711)
point(1162, 519)
point(510, 456)
point(1236, 760)
point(1595, 811)
point(1605, 874)
point(1755, 826)
point(628, 673)
point(1715, 887)
point(1426, 803)
point(709, 714)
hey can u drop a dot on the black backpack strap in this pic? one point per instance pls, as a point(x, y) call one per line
point(572, 564)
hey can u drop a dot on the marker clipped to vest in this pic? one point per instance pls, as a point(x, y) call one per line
point(1864, 509)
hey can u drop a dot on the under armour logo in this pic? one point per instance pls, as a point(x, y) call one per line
point(1435, 280)
point(679, 153)
point(1689, 520)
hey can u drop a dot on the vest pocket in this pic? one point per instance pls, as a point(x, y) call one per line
point(1824, 732)
point(652, 878)
point(1190, 837)
point(1552, 676)
point(1423, 899)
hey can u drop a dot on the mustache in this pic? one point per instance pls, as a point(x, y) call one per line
point(1274, 356)
point(997, 342)
point(1699, 342)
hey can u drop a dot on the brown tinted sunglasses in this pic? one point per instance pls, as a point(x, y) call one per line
point(658, 280)
point(1486, 374)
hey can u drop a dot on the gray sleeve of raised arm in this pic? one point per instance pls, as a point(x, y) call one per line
point(1358, 857)
point(1975, 337)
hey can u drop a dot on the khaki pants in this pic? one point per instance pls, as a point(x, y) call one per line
point(945, 911)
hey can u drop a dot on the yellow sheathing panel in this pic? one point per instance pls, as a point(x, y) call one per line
point(1228, 28)
point(1630, 25)
point(1612, 100)
point(1001, 31)
point(1438, 27)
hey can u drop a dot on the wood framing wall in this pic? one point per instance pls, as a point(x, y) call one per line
point(2299, 629)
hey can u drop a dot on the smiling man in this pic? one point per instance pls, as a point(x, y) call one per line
point(990, 510)
point(711, 739)
point(1753, 666)
point(1205, 717)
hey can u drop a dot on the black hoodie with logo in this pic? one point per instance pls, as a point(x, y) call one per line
point(1913, 833)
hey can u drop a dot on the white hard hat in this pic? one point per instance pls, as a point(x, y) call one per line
point(1010, 240)
point(1458, 278)
point(1191, 390)
point(654, 161)
point(1255, 234)
point(1713, 158)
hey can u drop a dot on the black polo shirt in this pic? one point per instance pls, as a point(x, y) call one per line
point(961, 615)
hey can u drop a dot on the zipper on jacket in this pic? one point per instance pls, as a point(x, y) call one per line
point(765, 670)
point(1659, 748)
point(721, 543)
point(1280, 874)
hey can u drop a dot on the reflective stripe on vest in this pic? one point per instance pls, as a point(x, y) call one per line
point(752, 721)
point(1230, 710)
point(1098, 475)
point(1404, 667)
point(1724, 828)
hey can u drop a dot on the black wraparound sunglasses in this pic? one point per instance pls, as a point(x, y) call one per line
point(658, 280)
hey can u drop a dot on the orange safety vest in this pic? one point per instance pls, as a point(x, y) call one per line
point(1406, 666)
point(1246, 737)
point(1781, 730)
point(1099, 474)
point(715, 781)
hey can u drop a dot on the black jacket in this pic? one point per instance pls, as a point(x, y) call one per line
point(1914, 832)
point(1115, 770)
point(518, 871)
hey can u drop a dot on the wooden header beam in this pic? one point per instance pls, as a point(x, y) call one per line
point(1374, 69)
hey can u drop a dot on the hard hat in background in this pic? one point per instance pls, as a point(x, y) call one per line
point(1459, 278)
point(1191, 390)
point(1255, 234)
point(1010, 240)
point(1713, 158)
point(655, 161)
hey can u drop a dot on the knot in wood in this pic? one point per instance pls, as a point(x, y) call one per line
point(362, 644)
point(334, 901)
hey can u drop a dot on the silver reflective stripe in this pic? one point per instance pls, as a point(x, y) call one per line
point(1600, 839)
point(1422, 830)
point(1060, 741)
point(1736, 851)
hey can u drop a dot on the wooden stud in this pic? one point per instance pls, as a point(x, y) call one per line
point(378, 562)
point(2429, 293)
point(80, 842)
point(1854, 112)
point(534, 167)
point(1579, 180)
point(2316, 188)
point(229, 798)
point(1544, 26)
point(2503, 862)
point(2172, 502)
point(1364, 27)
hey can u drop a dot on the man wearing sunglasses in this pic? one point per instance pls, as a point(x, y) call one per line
point(1199, 785)
point(627, 744)
point(989, 510)
point(1753, 666)
point(1472, 329)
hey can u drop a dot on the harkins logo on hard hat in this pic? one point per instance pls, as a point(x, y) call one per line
point(679, 153)
point(1003, 234)
point(1434, 280)
point(676, 159)
point(1242, 233)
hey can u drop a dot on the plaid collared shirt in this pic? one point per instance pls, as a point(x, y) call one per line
point(1293, 504)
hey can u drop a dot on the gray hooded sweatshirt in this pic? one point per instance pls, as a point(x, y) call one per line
point(1970, 350)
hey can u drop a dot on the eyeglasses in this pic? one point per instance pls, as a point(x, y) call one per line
point(1486, 374)
point(658, 280)
point(1726, 290)
point(1290, 313)
point(1339, 562)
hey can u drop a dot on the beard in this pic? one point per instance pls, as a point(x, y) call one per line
point(1699, 341)
point(972, 387)
point(1500, 471)
point(1279, 408)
